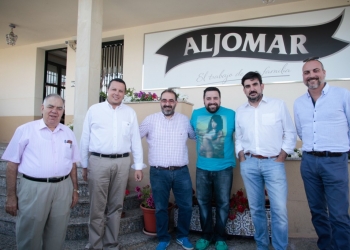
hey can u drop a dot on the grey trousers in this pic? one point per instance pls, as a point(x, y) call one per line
point(43, 214)
point(107, 180)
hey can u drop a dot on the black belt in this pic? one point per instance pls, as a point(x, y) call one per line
point(111, 156)
point(261, 157)
point(325, 153)
point(171, 168)
point(52, 180)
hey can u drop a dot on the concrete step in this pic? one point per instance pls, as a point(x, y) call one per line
point(3, 164)
point(140, 241)
point(132, 241)
point(2, 148)
point(78, 226)
point(2, 197)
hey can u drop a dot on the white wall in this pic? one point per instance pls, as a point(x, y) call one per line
point(19, 73)
point(17, 80)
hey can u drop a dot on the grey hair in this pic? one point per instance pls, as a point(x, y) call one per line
point(54, 96)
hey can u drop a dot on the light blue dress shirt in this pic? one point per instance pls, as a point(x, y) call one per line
point(325, 126)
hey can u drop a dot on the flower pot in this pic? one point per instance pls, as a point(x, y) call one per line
point(149, 219)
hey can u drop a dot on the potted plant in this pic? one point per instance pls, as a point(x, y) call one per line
point(148, 207)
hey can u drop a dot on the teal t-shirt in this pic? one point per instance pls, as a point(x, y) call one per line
point(214, 132)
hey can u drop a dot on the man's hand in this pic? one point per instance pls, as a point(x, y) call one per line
point(12, 205)
point(85, 174)
point(282, 156)
point(11, 188)
point(75, 199)
point(138, 175)
point(241, 156)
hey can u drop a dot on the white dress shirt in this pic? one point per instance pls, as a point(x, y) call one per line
point(111, 131)
point(42, 153)
point(325, 126)
point(266, 129)
point(167, 139)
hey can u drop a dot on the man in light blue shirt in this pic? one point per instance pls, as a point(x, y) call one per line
point(322, 118)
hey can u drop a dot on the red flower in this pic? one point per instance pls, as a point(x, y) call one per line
point(238, 203)
point(240, 193)
point(232, 216)
point(127, 192)
point(243, 200)
point(240, 208)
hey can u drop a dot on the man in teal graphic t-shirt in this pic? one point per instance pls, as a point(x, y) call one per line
point(214, 126)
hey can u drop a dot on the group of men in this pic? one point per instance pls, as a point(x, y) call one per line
point(45, 152)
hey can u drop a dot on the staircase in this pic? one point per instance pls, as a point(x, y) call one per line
point(130, 236)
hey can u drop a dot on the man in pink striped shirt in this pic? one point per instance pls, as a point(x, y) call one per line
point(44, 152)
point(167, 133)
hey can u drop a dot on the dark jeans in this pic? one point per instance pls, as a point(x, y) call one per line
point(326, 181)
point(217, 183)
point(180, 182)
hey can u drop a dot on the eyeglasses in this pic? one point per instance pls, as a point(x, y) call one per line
point(171, 101)
point(311, 58)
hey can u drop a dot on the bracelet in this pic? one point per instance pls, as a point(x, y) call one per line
point(76, 190)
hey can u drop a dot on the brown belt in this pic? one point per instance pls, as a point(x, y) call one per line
point(260, 156)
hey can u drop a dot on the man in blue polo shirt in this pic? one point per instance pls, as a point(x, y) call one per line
point(322, 119)
point(214, 126)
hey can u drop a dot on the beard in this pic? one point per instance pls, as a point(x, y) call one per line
point(212, 109)
point(168, 112)
point(313, 85)
point(257, 98)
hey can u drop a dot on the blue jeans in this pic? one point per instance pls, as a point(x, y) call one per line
point(217, 183)
point(179, 181)
point(256, 174)
point(326, 182)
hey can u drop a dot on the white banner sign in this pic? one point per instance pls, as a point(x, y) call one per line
point(221, 54)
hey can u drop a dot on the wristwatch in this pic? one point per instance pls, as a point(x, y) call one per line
point(76, 190)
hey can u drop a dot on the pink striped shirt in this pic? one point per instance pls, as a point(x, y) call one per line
point(43, 153)
point(167, 139)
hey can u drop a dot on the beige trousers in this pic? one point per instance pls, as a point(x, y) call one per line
point(43, 214)
point(107, 180)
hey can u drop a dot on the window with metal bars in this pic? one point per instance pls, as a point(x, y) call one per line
point(111, 64)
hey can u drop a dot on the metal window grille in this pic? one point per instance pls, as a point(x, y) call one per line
point(111, 63)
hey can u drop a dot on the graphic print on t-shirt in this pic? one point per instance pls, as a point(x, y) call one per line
point(211, 131)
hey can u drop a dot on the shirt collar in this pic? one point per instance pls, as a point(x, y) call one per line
point(110, 106)
point(264, 99)
point(42, 125)
point(171, 118)
point(324, 90)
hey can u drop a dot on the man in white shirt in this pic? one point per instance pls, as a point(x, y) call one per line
point(110, 133)
point(265, 135)
point(44, 152)
point(167, 133)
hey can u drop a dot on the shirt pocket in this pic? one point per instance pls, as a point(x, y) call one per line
point(68, 150)
point(126, 128)
point(268, 119)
